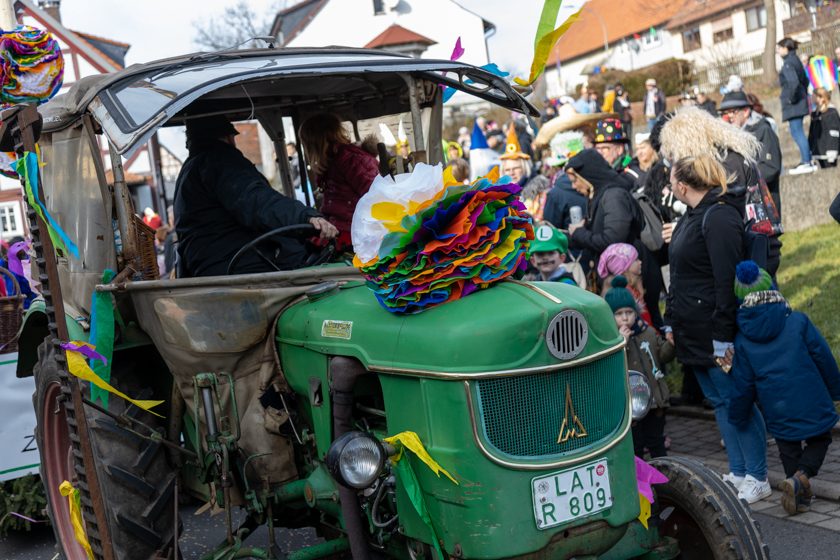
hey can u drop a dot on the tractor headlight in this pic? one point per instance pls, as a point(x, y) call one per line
point(356, 459)
point(639, 395)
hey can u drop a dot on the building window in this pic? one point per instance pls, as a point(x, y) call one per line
point(378, 8)
point(691, 39)
point(756, 18)
point(722, 35)
point(652, 39)
point(10, 220)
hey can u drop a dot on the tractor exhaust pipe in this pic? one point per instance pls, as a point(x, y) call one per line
point(343, 375)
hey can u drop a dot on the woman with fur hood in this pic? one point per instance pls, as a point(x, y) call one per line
point(692, 132)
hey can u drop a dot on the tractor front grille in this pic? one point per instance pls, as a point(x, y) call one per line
point(523, 416)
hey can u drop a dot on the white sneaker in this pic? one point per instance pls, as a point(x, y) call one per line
point(736, 481)
point(753, 490)
point(803, 168)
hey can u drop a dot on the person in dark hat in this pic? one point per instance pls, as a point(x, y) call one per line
point(735, 108)
point(612, 142)
point(222, 202)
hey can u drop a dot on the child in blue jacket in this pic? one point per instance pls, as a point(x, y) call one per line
point(783, 362)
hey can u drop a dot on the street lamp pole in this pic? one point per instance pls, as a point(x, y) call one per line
point(603, 26)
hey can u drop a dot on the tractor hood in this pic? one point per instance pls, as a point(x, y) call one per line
point(497, 331)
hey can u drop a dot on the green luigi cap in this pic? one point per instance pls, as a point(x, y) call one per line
point(548, 238)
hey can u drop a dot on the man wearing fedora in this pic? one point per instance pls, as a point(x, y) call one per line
point(737, 109)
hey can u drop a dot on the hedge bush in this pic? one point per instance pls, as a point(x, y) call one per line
point(673, 76)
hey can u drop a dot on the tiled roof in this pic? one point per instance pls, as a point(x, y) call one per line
point(291, 21)
point(114, 50)
point(693, 11)
point(398, 35)
point(615, 20)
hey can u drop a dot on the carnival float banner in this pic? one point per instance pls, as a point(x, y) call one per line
point(17, 423)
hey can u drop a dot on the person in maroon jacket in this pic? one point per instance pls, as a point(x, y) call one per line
point(341, 171)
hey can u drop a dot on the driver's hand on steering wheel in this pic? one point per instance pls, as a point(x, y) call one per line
point(326, 229)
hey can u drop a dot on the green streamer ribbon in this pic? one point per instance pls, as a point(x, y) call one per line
point(406, 476)
point(102, 337)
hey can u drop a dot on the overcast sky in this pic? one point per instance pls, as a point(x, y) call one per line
point(162, 28)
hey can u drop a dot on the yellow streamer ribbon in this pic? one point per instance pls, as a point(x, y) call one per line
point(72, 495)
point(644, 514)
point(411, 441)
point(77, 364)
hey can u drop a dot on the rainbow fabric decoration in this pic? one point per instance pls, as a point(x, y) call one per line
point(32, 66)
point(822, 72)
point(459, 239)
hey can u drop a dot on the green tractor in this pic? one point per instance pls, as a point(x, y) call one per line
point(280, 389)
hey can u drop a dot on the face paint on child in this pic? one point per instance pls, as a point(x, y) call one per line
point(547, 261)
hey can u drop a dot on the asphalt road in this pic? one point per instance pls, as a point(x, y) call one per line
point(787, 539)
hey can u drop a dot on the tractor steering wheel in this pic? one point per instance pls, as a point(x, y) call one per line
point(285, 231)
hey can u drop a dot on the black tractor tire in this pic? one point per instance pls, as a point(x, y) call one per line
point(135, 478)
point(708, 520)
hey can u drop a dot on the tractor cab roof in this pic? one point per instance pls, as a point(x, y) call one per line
point(132, 104)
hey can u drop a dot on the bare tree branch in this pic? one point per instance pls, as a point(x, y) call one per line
point(234, 27)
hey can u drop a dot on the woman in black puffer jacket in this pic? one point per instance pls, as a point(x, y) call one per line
point(613, 216)
point(705, 248)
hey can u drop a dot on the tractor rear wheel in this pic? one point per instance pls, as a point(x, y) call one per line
point(135, 478)
point(708, 520)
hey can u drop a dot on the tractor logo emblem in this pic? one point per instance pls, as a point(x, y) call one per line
point(572, 426)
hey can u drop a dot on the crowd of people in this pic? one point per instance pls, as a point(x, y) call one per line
point(666, 224)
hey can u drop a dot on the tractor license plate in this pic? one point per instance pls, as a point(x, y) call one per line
point(571, 494)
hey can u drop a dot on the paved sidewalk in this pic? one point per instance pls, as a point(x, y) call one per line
point(698, 436)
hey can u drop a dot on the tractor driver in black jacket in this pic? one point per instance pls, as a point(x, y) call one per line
point(222, 202)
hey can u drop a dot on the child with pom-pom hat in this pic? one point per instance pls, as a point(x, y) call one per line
point(783, 362)
point(647, 353)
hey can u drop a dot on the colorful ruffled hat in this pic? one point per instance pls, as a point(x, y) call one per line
point(548, 238)
point(619, 297)
point(512, 148)
point(750, 278)
point(610, 130)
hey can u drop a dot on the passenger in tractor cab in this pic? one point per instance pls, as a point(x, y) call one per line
point(343, 172)
point(222, 203)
